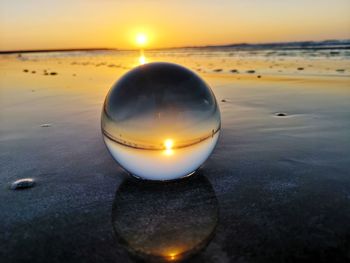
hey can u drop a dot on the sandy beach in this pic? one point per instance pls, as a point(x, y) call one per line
point(280, 173)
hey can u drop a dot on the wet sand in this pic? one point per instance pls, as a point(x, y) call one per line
point(280, 172)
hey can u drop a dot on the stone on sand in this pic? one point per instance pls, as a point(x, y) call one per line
point(22, 184)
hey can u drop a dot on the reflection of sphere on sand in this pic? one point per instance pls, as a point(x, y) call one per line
point(160, 121)
point(165, 222)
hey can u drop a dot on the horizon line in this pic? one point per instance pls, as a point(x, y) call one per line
point(165, 48)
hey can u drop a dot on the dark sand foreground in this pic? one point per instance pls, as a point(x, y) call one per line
point(276, 188)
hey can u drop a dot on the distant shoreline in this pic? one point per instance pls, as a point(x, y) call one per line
point(313, 45)
point(55, 50)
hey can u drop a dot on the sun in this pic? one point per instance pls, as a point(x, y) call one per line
point(141, 39)
point(168, 143)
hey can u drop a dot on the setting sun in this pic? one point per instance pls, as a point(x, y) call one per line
point(141, 39)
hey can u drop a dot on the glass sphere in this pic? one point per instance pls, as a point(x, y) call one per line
point(160, 121)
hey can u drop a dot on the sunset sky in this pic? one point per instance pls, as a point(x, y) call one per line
point(46, 24)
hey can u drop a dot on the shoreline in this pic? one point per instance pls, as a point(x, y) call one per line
point(287, 46)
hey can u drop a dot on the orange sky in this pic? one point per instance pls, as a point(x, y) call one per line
point(43, 24)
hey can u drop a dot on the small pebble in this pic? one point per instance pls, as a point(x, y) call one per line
point(234, 70)
point(251, 71)
point(33, 72)
point(25, 70)
point(22, 184)
point(217, 70)
point(300, 68)
point(340, 70)
point(45, 125)
point(53, 73)
point(259, 76)
point(223, 100)
point(281, 114)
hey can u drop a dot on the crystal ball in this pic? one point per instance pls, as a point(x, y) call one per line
point(160, 121)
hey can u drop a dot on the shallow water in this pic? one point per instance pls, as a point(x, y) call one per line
point(282, 183)
point(322, 60)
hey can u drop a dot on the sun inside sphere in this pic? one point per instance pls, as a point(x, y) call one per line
point(160, 121)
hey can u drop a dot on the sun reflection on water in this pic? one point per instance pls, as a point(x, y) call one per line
point(142, 60)
point(172, 256)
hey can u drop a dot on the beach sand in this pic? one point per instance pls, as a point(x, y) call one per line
point(280, 171)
